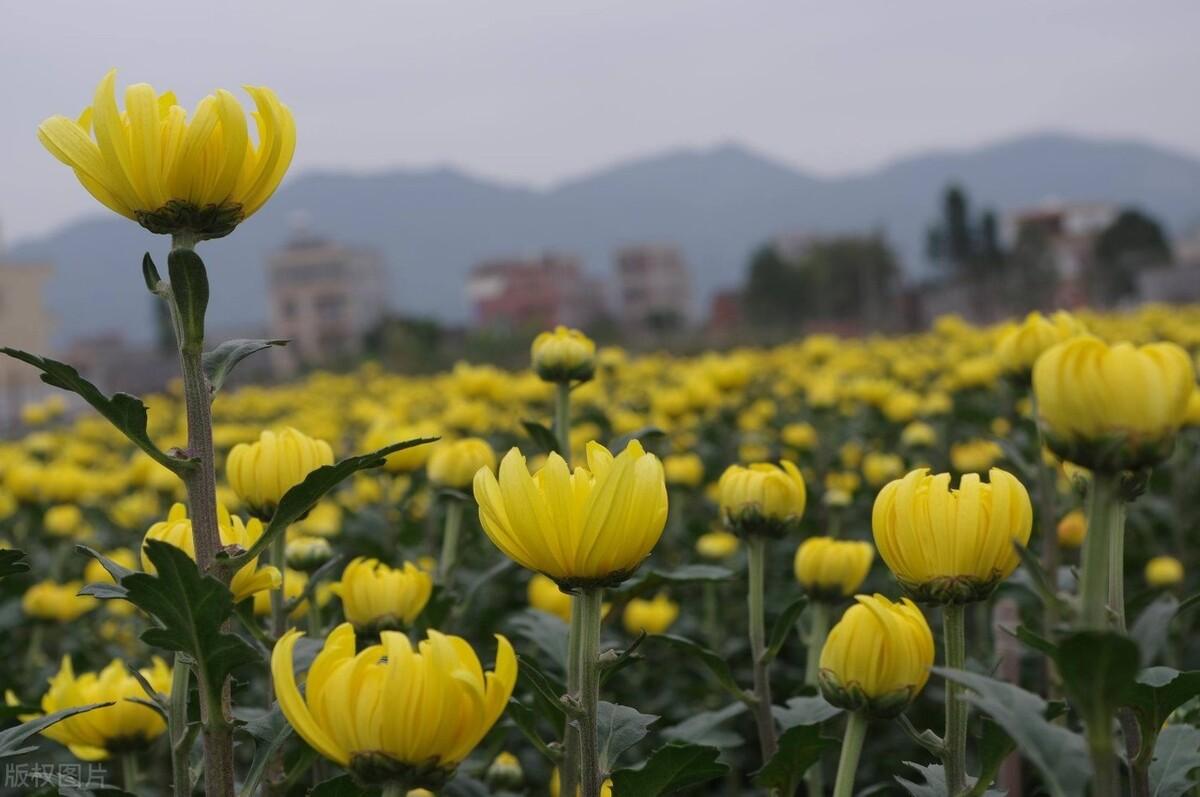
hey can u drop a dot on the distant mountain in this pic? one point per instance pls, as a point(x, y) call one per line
point(717, 204)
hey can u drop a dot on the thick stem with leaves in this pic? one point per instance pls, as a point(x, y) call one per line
point(188, 298)
point(1116, 565)
point(756, 561)
point(450, 535)
point(589, 690)
point(852, 744)
point(1104, 512)
point(570, 764)
point(955, 758)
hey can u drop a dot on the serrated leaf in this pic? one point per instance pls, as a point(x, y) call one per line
point(189, 608)
point(669, 769)
point(122, 410)
point(617, 729)
point(220, 362)
point(808, 710)
point(1152, 628)
point(541, 436)
point(799, 748)
point(784, 624)
point(1060, 755)
point(715, 664)
point(11, 739)
point(1176, 758)
point(704, 728)
point(12, 562)
point(933, 782)
point(297, 501)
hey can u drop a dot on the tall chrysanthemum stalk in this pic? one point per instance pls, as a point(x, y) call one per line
point(194, 179)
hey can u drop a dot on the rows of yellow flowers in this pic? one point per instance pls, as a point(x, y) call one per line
point(446, 616)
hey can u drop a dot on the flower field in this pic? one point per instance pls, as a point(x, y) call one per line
point(941, 564)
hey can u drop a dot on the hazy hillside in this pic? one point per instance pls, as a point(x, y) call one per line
point(718, 203)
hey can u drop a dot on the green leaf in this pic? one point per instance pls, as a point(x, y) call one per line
point(1097, 668)
point(715, 664)
point(704, 728)
point(270, 731)
point(784, 624)
point(687, 574)
point(1043, 583)
point(12, 738)
point(189, 286)
point(341, 786)
point(526, 721)
point(1154, 696)
point(123, 411)
point(12, 562)
point(994, 747)
point(1036, 642)
point(297, 501)
point(617, 729)
point(933, 782)
point(799, 748)
point(547, 632)
point(1176, 757)
point(669, 769)
point(219, 362)
point(190, 609)
point(810, 710)
point(542, 437)
point(150, 274)
point(1152, 627)
point(1058, 754)
point(548, 689)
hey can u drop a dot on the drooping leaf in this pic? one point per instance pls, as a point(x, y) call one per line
point(617, 729)
point(704, 728)
point(783, 626)
point(12, 562)
point(647, 580)
point(669, 769)
point(220, 362)
point(11, 739)
point(297, 501)
point(1060, 755)
point(715, 664)
point(122, 410)
point(189, 609)
point(1176, 759)
point(1152, 628)
point(799, 748)
point(804, 710)
point(542, 437)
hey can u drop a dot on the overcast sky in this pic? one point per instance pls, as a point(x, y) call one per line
point(535, 91)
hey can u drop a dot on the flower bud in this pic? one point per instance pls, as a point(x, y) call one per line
point(762, 499)
point(505, 773)
point(877, 658)
point(879, 468)
point(64, 520)
point(1072, 529)
point(830, 569)
point(307, 553)
point(951, 545)
point(684, 470)
point(799, 435)
point(376, 597)
point(544, 595)
point(1112, 408)
point(261, 472)
point(1163, 572)
point(1019, 347)
point(918, 434)
point(652, 616)
point(717, 544)
point(61, 603)
point(454, 464)
point(564, 355)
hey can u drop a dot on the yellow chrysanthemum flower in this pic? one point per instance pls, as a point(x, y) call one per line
point(377, 597)
point(828, 568)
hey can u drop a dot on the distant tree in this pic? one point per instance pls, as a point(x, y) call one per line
point(962, 245)
point(1032, 275)
point(1132, 242)
point(775, 292)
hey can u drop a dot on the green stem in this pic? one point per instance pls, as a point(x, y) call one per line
point(852, 744)
point(562, 420)
point(571, 754)
point(1104, 759)
point(818, 630)
point(955, 759)
point(181, 747)
point(589, 689)
point(316, 628)
point(756, 549)
point(129, 772)
point(278, 549)
point(1116, 565)
point(450, 535)
point(1103, 510)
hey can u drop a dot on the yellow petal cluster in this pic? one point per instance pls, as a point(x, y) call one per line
point(544, 595)
point(172, 174)
point(718, 544)
point(949, 545)
point(590, 527)
point(563, 355)
point(877, 657)
point(454, 464)
point(762, 498)
point(50, 600)
point(261, 472)
point(684, 470)
point(177, 530)
point(1164, 571)
point(1072, 529)
point(376, 596)
point(829, 568)
point(393, 709)
point(1021, 345)
point(654, 616)
point(1112, 407)
point(125, 726)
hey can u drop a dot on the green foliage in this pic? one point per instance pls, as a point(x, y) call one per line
point(1132, 242)
point(122, 410)
point(804, 710)
point(704, 728)
point(799, 748)
point(220, 362)
point(715, 664)
point(1176, 759)
point(669, 769)
point(542, 437)
point(12, 562)
point(189, 287)
point(618, 728)
point(12, 739)
point(784, 624)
